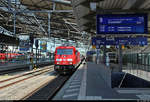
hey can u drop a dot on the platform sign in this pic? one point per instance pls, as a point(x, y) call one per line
point(24, 45)
point(102, 41)
point(122, 24)
point(90, 52)
point(43, 46)
point(124, 41)
point(110, 41)
point(139, 41)
point(97, 41)
point(131, 41)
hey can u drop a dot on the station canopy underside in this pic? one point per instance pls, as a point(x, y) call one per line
point(33, 16)
point(69, 19)
point(85, 12)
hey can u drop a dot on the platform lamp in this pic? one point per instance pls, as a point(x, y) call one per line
point(123, 47)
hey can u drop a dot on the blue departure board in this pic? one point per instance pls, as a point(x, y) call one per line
point(122, 24)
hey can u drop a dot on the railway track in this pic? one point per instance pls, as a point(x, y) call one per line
point(21, 69)
point(22, 77)
point(48, 90)
point(13, 71)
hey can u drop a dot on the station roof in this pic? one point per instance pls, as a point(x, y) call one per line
point(69, 19)
point(85, 12)
point(32, 17)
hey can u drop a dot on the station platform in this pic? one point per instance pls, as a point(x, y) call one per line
point(11, 66)
point(93, 82)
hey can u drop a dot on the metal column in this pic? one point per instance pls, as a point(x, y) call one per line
point(14, 13)
point(104, 54)
point(49, 25)
point(31, 54)
point(36, 45)
point(14, 24)
point(54, 42)
point(97, 56)
point(36, 56)
point(9, 7)
point(32, 57)
point(120, 58)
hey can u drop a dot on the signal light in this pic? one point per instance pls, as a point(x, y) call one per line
point(123, 47)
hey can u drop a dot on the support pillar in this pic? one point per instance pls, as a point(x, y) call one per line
point(49, 25)
point(97, 56)
point(9, 7)
point(120, 58)
point(36, 58)
point(14, 23)
point(104, 54)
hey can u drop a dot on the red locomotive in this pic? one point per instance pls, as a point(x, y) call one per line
point(2, 56)
point(66, 59)
point(8, 56)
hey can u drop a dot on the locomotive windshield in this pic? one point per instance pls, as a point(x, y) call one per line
point(64, 51)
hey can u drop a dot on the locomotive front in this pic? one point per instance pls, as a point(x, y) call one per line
point(65, 59)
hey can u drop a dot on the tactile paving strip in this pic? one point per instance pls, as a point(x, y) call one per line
point(72, 91)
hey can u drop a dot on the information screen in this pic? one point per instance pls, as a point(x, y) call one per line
point(122, 24)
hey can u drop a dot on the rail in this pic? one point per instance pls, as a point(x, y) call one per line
point(49, 89)
point(19, 78)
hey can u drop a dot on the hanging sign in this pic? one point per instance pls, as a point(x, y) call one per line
point(122, 24)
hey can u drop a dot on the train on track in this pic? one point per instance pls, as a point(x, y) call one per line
point(67, 58)
point(8, 56)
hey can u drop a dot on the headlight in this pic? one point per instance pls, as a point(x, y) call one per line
point(69, 59)
point(57, 62)
point(58, 59)
point(70, 62)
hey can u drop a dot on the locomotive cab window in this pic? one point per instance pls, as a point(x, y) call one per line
point(64, 51)
point(76, 52)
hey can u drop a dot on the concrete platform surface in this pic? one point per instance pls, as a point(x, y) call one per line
point(93, 82)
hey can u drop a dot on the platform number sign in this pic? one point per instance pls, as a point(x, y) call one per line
point(97, 41)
